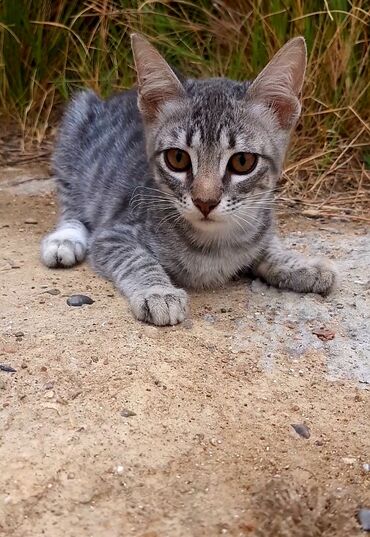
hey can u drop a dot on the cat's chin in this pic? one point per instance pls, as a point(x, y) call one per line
point(208, 224)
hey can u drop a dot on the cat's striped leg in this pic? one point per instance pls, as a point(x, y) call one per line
point(287, 269)
point(117, 254)
point(66, 246)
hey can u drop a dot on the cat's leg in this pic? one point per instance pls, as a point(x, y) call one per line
point(117, 254)
point(287, 269)
point(66, 246)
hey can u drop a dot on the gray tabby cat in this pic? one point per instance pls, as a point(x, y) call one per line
point(172, 185)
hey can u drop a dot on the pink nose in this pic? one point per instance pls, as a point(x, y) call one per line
point(207, 206)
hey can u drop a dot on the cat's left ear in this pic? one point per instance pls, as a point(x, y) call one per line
point(157, 83)
point(280, 83)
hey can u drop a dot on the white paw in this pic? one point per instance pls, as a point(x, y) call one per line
point(160, 305)
point(65, 247)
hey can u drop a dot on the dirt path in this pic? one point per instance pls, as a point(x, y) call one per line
point(209, 448)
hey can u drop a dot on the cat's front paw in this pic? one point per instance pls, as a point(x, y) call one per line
point(160, 305)
point(317, 276)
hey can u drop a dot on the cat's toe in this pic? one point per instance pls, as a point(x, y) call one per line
point(161, 306)
point(62, 253)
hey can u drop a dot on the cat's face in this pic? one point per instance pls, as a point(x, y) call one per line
point(216, 147)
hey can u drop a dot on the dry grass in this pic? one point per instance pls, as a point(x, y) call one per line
point(47, 49)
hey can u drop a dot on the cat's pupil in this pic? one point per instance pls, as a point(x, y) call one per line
point(242, 160)
point(179, 156)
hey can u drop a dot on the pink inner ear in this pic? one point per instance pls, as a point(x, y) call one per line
point(286, 110)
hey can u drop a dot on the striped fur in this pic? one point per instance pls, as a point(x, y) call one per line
point(135, 217)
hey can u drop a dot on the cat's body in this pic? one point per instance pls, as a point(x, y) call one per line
point(153, 217)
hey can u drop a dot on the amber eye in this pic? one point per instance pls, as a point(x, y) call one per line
point(177, 160)
point(242, 163)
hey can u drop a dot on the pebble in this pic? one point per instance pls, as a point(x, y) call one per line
point(52, 292)
point(119, 469)
point(49, 394)
point(2, 384)
point(364, 518)
point(301, 429)
point(19, 334)
point(49, 386)
point(126, 413)
point(7, 368)
point(365, 466)
point(31, 221)
point(79, 300)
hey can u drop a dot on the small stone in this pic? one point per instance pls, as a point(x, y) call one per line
point(79, 300)
point(187, 324)
point(19, 334)
point(364, 518)
point(302, 430)
point(366, 467)
point(24, 365)
point(52, 292)
point(49, 386)
point(31, 221)
point(49, 394)
point(7, 368)
point(2, 384)
point(119, 469)
point(209, 318)
point(126, 413)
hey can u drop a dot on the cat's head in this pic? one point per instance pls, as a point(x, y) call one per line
point(216, 146)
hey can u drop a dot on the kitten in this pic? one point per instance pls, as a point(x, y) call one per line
point(172, 185)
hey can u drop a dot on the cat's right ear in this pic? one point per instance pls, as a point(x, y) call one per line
point(279, 84)
point(157, 83)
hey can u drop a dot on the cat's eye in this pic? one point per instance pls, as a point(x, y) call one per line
point(177, 160)
point(242, 163)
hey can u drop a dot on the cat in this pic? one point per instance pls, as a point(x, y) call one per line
point(172, 185)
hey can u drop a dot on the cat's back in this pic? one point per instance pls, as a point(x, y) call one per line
point(92, 128)
point(99, 154)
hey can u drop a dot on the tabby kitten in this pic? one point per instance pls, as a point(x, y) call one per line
point(172, 185)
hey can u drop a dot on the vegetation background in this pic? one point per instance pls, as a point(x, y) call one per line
point(48, 48)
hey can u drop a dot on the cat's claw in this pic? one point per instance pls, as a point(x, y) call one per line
point(160, 305)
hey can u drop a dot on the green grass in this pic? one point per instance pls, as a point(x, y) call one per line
point(48, 48)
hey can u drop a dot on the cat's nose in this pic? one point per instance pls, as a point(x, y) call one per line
point(207, 206)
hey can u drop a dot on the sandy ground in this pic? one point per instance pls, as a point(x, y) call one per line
point(209, 448)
